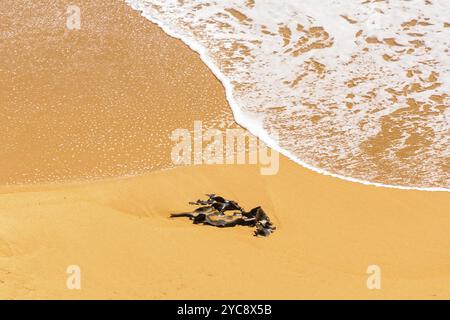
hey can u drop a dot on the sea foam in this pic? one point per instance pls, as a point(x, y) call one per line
point(353, 89)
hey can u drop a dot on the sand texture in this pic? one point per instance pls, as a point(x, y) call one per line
point(78, 118)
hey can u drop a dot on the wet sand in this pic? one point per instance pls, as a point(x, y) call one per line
point(118, 231)
point(97, 102)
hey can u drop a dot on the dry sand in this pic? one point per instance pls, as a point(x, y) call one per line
point(119, 233)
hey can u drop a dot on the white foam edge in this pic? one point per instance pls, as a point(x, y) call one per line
point(240, 117)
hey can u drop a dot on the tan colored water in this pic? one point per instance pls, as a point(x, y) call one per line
point(357, 89)
point(82, 104)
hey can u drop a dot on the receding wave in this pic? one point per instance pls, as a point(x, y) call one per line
point(356, 89)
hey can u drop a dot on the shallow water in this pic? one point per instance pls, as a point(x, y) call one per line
point(98, 102)
point(356, 89)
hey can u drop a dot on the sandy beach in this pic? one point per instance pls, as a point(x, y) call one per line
point(119, 233)
point(86, 179)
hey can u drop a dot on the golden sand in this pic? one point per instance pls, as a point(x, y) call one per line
point(118, 231)
point(96, 102)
